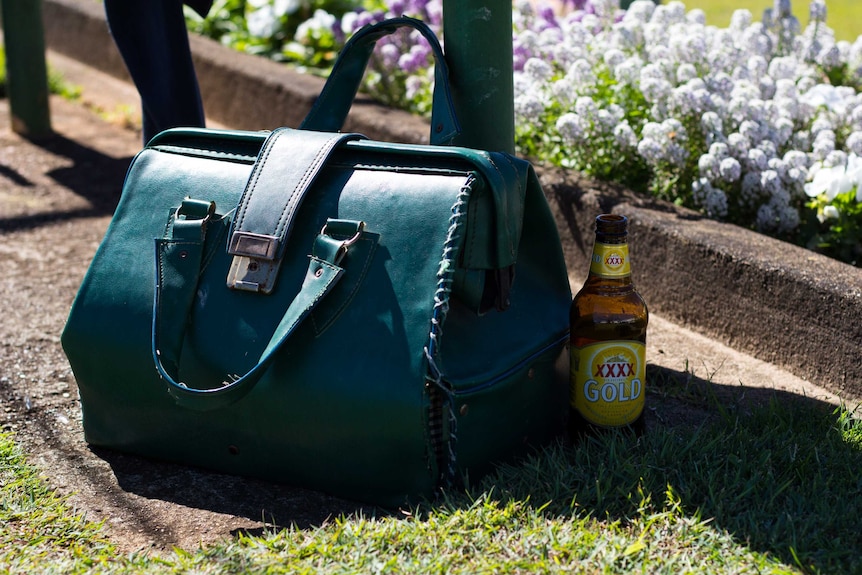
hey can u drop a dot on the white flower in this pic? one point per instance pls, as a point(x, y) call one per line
point(757, 65)
point(721, 83)
point(696, 16)
point(580, 72)
point(738, 146)
point(711, 123)
point(741, 19)
point(755, 40)
point(538, 70)
point(262, 21)
point(613, 58)
point(628, 35)
point(320, 20)
point(824, 95)
point(830, 181)
point(854, 143)
point(729, 169)
point(639, 11)
point(283, 7)
point(757, 160)
point(712, 199)
point(796, 159)
point(823, 144)
point(708, 166)
point(829, 57)
point(796, 178)
point(624, 136)
point(782, 8)
point(768, 148)
point(829, 212)
point(571, 128)
point(685, 72)
point(751, 130)
point(719, 150)
point(770, 182)
point(854, 173)
point(586, 107)
point(783, 68)
point(605, 121)
point(650, 150)
point(835, 158)
point(528, 108)
point(628, 71)
point(783, 130)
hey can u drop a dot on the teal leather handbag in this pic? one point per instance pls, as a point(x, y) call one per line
point(369, 319)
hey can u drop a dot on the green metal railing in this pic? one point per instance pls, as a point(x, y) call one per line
point(26, 70)
point(478, 42)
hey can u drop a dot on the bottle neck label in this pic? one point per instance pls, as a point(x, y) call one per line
point(610, 260)
point(607, 380)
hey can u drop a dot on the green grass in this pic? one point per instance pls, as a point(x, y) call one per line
point(39, 532)
point(776, 490)
point(843, 16)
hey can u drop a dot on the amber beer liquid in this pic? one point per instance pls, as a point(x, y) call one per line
point(608, 338)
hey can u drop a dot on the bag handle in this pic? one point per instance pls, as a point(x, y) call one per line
point(331, 108)
point(178, 265)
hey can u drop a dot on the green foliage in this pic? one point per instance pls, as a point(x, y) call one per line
point(2, 72)
point(839, 237)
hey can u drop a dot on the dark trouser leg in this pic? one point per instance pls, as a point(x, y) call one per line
point(152, 38)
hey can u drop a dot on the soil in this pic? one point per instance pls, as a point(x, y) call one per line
point(57, 195)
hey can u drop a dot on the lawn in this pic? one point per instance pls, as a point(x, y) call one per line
point(843, 16)
point(774, 490)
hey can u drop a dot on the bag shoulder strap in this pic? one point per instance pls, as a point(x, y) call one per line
point(332, 106)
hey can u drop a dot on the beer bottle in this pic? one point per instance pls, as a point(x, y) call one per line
point(608, 338)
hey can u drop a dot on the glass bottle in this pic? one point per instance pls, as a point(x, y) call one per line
point(608, 320)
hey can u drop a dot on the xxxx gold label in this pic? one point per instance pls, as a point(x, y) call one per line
point(611, 260)
point(607, 381)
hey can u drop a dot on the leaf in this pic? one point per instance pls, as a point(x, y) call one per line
point(634, 548)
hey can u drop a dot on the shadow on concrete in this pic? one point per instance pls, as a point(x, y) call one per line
point(92, 175)
point(14, 176)
point(277, 505)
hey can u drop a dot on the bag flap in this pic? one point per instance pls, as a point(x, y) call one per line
point(286, 167)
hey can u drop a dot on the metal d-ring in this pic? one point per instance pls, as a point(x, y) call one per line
point(345, 245)
point(204, 220)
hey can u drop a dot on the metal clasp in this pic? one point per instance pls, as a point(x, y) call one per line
point(192, 209)
point(345, 244)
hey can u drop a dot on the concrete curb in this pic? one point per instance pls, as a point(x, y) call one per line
point(796, 309)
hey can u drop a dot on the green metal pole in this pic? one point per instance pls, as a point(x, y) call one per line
point(478, 43)
point(26, 70)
